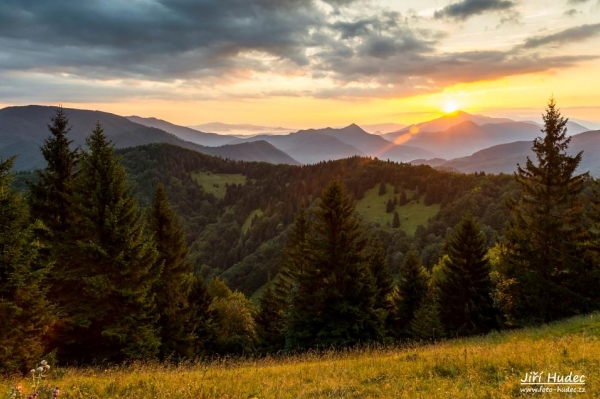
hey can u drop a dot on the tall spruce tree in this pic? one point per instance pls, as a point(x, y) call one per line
point(110, 307)
point(396, 220)
point(427, 324)
point(384, 281)
point(201, 318)
point(51, 202)
point(296, 256)
point(25, 311)
point(544, 260)
point(411, 290)
point(270, 321)
point(333, 300)
point(50, 197)
point(175, 281)
point(465, 292)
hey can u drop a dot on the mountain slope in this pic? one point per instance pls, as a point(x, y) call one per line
point(185, 133)
point(309, 148)
point(461, 134)
point(503, 158)
point(24, 129)
point(315, 145)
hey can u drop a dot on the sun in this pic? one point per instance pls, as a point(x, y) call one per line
point(450, 107)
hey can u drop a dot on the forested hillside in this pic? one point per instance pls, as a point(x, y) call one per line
point(240, 234)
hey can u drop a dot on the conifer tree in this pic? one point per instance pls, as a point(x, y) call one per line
point(411, 290)
point(296, 256)
point(389, 206)
point(403, 199)
point(332, 301)
point(25, 312)
point(270, 321)
point(110, 307)
point(51, 202)
point(201, 318)
point(384, 281)
point(544, 254)
point(427, 325)
point(465, 291)
point(396, 220)
point(50, 197)
point(382, 189)
point(175, 280)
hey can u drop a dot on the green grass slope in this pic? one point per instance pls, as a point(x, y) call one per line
point(480, 367)
point(372, 208)
point(215, 183)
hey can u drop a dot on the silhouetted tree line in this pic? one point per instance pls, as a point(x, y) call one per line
point(87, 273)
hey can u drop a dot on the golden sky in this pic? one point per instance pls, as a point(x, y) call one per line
point(303, 63)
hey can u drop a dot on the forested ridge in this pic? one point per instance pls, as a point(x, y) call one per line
point(214, 226)
point(153, 251)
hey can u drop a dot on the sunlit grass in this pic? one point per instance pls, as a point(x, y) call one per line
point(480, 367)
point(248, 222)
point(214, 183)
point(372, 208)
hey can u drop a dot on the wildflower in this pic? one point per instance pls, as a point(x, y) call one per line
point(43, 362)
point(32, 371)
point(55, 392)
point(47, 367)
point(40, 369)
point(19, 388)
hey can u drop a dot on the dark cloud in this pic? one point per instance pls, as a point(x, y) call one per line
point(571, 35)
point(71, 50)
point(469, 8)
point(571, 12)
point(153, 38)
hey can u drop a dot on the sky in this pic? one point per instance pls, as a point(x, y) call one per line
point(303, 63)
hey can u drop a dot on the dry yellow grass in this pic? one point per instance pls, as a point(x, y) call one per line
point(480, 367)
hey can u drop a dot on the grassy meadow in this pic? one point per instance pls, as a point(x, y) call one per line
point(479, 367)
point(214, 183)
point(372, 208)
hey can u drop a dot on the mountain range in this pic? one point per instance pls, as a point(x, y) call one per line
point(457, 141)
point(461, 134)
point(24, 129)
point(503, 158)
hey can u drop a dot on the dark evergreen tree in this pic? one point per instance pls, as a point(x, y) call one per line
point(382, 189)
point(201, 318)
point(396, 220)
point(411, 290)
point(389, 206)
point(403, 199)
point(332, 301)
point(25, 311)
point(109, 311)
point(270, 321)
point(296, 256)
point(51, 202)
point(384, 281)
point(465, 293)
point(173, 286)
point(427, 325)
point(544, 261)
point(51, 196)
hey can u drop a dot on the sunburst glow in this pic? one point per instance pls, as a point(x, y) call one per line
point(450, 106)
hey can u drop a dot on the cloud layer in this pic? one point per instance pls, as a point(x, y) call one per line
point(354, 47)
point(469, 8)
